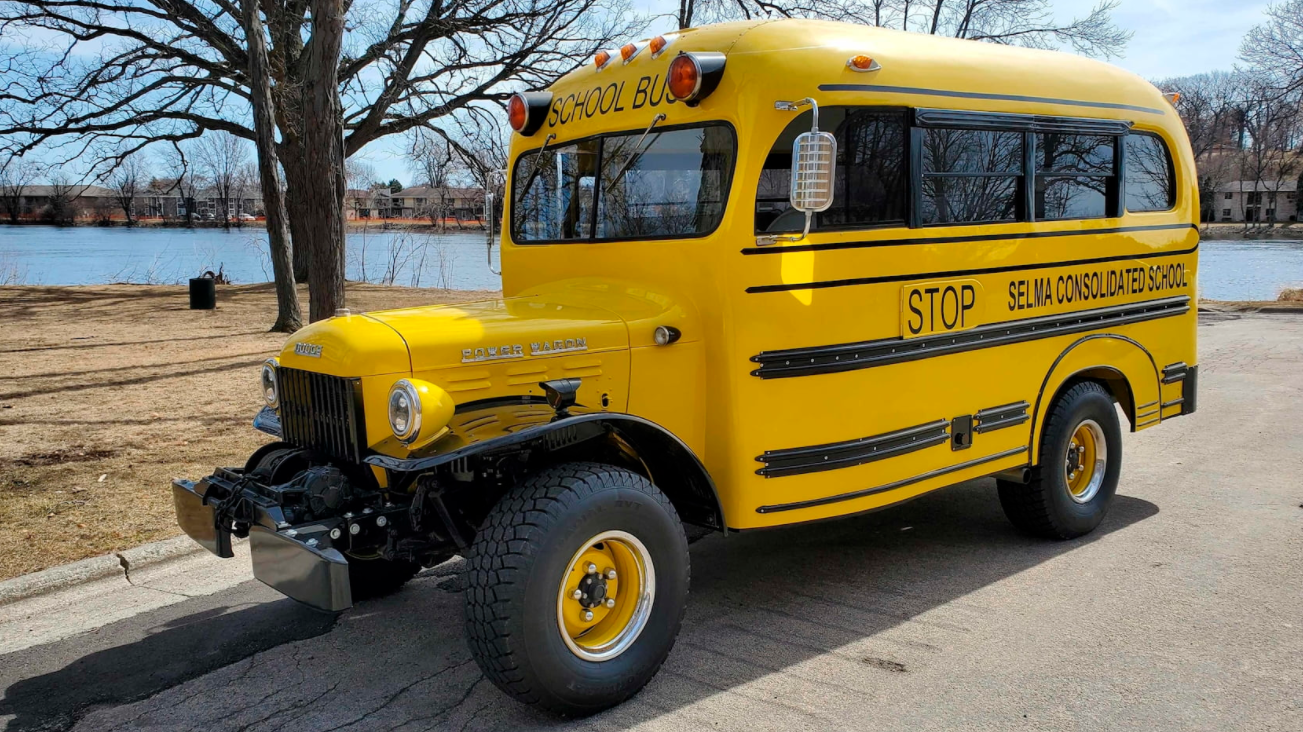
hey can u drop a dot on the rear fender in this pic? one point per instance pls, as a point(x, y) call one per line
point(1121, 364)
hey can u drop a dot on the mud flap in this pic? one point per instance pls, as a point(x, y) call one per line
point(315, 577)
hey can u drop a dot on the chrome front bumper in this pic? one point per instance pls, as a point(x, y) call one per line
point(289, 560)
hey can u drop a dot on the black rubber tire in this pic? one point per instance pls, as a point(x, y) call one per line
point(377, 577)
point(1045, 507)
point(522, 551)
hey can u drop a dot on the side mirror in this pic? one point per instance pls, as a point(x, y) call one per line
point(814, 162)
point(814, 168)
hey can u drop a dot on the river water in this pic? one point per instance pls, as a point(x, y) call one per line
point(47, 255)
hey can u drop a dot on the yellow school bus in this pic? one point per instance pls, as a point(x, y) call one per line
point(754, 274)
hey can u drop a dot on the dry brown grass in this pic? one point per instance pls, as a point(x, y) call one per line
point(1290, 296)
point(109, 392)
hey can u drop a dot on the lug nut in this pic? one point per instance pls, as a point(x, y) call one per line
point(592, 569)
point(355, 529)
point(335, 533)
point(381, 521)
point(291, 532)
point(610, 574)
point(588, 615)
point(312, 542)
point(610, 602)
point(577, 594)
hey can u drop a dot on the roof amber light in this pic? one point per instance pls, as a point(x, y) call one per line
point(658, 45)
point(1172, 97)
point(601, 59)
point(629, 50)
point(862, 63)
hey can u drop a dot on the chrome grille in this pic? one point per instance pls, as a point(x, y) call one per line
point(322, 413)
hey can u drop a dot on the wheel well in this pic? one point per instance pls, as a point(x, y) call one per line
point(1113, 381)
point(650, 451)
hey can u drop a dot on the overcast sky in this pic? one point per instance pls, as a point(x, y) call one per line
point(1172, 38)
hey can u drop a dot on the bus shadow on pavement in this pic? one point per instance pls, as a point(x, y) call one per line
point(761, 603)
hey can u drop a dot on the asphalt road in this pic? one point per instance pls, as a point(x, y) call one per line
point(1183, 611)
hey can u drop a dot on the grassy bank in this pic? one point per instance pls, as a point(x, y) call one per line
point(1239, 232)
point(109, 392)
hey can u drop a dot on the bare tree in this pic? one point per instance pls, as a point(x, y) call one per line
point(127, 181)
point(1028, 23)
point(129, 73)
point(1212, 107)
point(1273, 128)
point(61, 209)
point(15, 176)
point(222, 156)
point(180, 164)
point(1275, 47)
point(433, 161)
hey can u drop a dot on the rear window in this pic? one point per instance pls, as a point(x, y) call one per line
point(1149, 185)
point(670, 183)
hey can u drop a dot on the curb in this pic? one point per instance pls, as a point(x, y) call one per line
point(87, 570)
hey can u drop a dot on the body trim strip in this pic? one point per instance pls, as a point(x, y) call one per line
point(918, 91)
point(999, 424)
point(891, 486)
point(823, 284)
point(1173, 373)
point(1175, 402)
point(848, 454)
point(837, 358)
point(971, 238)
point(1001, 417)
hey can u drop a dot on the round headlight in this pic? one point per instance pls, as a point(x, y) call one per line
point(270, 388)
point(405, 411)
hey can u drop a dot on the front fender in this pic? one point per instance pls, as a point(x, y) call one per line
point(519, 424)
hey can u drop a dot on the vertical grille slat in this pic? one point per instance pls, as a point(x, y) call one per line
point(322, 413)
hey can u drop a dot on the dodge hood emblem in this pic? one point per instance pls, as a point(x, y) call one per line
point(311, 350)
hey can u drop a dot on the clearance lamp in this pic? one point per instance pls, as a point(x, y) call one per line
point(526, 111)
point(693, 76)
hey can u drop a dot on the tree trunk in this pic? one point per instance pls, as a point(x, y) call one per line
point(288, 316)
point(323, 161)
point(292, 160)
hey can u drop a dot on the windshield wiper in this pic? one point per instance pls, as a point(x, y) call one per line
point(538, 165)
point(637, 153)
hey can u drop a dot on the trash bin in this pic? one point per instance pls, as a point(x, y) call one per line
point(203, 293)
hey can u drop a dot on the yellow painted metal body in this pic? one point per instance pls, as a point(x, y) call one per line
point(702, 389)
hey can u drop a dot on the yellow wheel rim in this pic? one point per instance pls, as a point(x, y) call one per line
point(606, 595)
point(1085, 462)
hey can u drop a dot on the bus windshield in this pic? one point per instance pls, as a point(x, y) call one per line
point(671, 183)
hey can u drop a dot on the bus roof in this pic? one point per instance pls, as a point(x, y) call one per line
point(793, 59)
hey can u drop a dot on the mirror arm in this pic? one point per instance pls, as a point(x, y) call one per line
point(764, 241)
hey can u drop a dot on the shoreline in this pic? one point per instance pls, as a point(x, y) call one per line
point(450, 225)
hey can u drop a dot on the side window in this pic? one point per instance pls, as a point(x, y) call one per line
point(1150, 185)
point(872, 183)
point(1075, 176)
point(554, 193)
point(971, 176)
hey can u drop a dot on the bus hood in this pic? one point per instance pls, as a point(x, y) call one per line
point(502, 331)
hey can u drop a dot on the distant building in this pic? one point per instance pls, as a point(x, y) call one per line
point(427, 202)
point(1257, 201)
point(361, 204)
point(65, 202)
